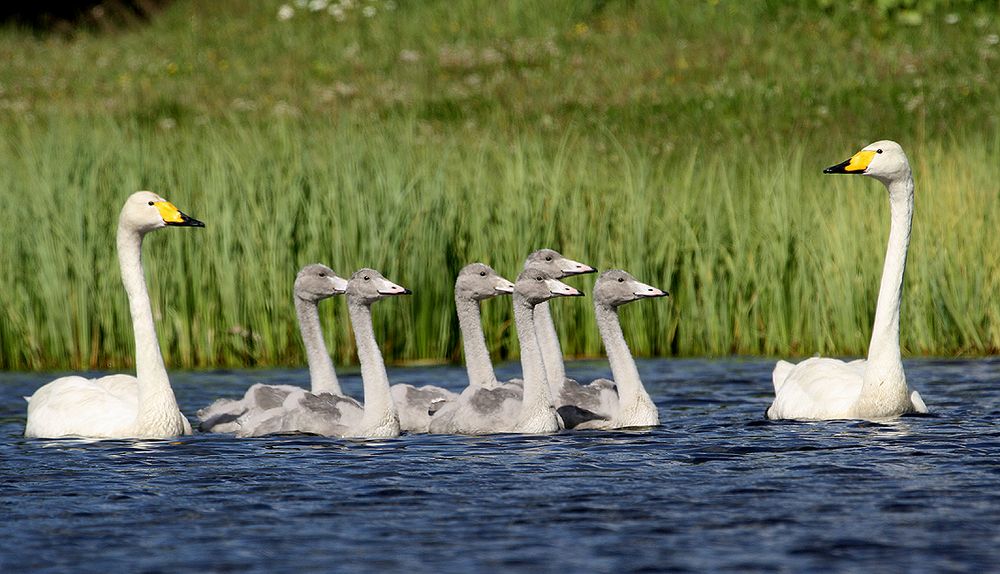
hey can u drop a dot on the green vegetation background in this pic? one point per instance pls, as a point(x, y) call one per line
point(680, 140)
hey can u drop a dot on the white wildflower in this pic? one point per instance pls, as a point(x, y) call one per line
point(285, 12)
point(337, 12)
point(952, 18)
point(409, 56)
point(368, 11)
point(993, 39)
point(318, 5)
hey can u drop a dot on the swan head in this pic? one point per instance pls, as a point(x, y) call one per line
point(555, 263)
point(617, 287)
point(478, 281)
point(317, 282)
point(883, 160)
point(146, 211)
point(368, 286)
point(538, 284)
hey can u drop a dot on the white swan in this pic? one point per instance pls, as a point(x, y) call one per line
point(821, 388)
point(511, 407)
point(333, 415)
point(313, 283)
point(631, 406)
point(475, 282)
point(120, 406)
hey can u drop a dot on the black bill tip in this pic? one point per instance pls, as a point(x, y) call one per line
point(187, 221)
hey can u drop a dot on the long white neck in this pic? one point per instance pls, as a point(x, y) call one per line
point(158, 412)
point(477, 356)
point(537, 402)
point(630, 389)
point(884, 371)
point(321, 373)
point(379, 408)
point(548, 342)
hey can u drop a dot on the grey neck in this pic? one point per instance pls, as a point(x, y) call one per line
point(537, 398)
point(155, 397)
point(322, 375)
point(378, 402)
point(884, 358)
point(477, 356)
point(623, 369)
point(548, 342)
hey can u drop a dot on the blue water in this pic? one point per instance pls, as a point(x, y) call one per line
point(716, 488)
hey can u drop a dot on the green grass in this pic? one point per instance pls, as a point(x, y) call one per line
point(680, 141)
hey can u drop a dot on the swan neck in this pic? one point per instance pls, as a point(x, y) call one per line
point(322, 376)
point(477, 356)
point(548, 342)
point(884, 358)
point(157, 403)
point(623, 369)
point(378, 405)
point(537, 398)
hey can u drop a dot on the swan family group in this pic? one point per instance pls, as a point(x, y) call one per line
point(543, 401)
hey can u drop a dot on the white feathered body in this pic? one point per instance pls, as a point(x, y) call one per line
point(822, 389)
point(107, 407)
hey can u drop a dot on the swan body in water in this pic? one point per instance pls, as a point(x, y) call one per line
point(313, 283)
point(873, 388)
point(476, 282)
point(632, 406)
point(512, 408)
point(334, 415)
point(120, 406)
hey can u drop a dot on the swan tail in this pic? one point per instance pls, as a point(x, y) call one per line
point(918, 403)
point(26, 399)
point(781, 371)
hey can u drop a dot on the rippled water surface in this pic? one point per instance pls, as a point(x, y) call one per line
point(715, 488)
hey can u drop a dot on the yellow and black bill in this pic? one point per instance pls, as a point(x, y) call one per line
point(173, 216)
point(858, 163)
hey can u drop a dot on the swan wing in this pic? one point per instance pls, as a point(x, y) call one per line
point(325, 414)
point(818, 389)
point(416, 405)
point(480, 410)
point(222, 415)
point(599, 398)
point(75, 406)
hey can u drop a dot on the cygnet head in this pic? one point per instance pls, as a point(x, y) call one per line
point(478, 281)
point(538, 284)
point(316, 282)
point(145, 211)
point(617, 287)
point(883, 160)
point(553, 262)
point(368, 286)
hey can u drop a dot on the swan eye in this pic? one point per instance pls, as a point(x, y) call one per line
point(482, 274)
point(548, 258)
point(151, 203)
point(878, 151)
point(322, 274)
point(539, 278)
point(366, 278)
point(621, 279)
